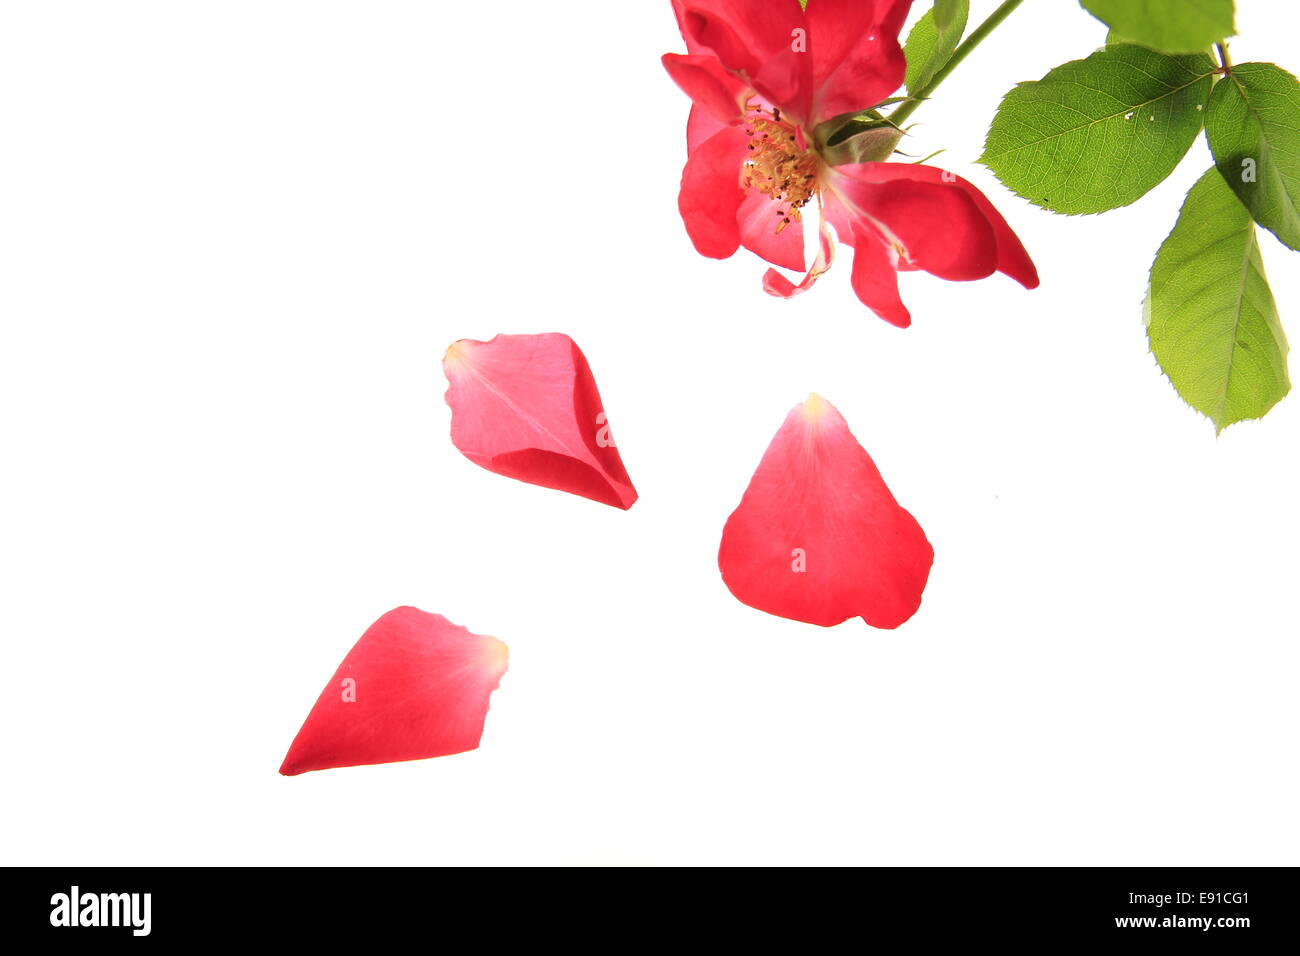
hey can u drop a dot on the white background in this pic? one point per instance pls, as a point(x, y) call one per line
point(235, 239)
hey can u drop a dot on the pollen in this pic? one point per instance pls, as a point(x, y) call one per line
point(779, 164)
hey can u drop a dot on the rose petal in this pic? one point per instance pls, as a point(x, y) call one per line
point(700, 128)
point(758, 218)
point(709, 86)
point(936, 226)
point(857, 61)
point(527, 407)
point(817, 536)
point(764, 43)
point(778, 285)
point(1012, 259)
point(414, 686)
point(875, 276)
point(711, 193)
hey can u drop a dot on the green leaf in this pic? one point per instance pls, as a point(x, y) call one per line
point(1210, 316)
point(1171, 26)
point(932, 41)
point(1098, 133)
point(1253, 125)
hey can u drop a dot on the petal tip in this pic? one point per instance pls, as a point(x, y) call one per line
point(815, 407)
point(457, 355)
point(899, 318)
point(777, 285)
point(496, 654)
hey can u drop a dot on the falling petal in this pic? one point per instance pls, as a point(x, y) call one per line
point(526, 406)
point(414, 686)
point(817, 536)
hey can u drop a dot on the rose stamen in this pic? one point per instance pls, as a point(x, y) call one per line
point(778, 165)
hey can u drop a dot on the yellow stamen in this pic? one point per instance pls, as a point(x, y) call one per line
point(778, 166)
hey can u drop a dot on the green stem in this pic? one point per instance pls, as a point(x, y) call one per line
point(971, 42)
point(1223, 57)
